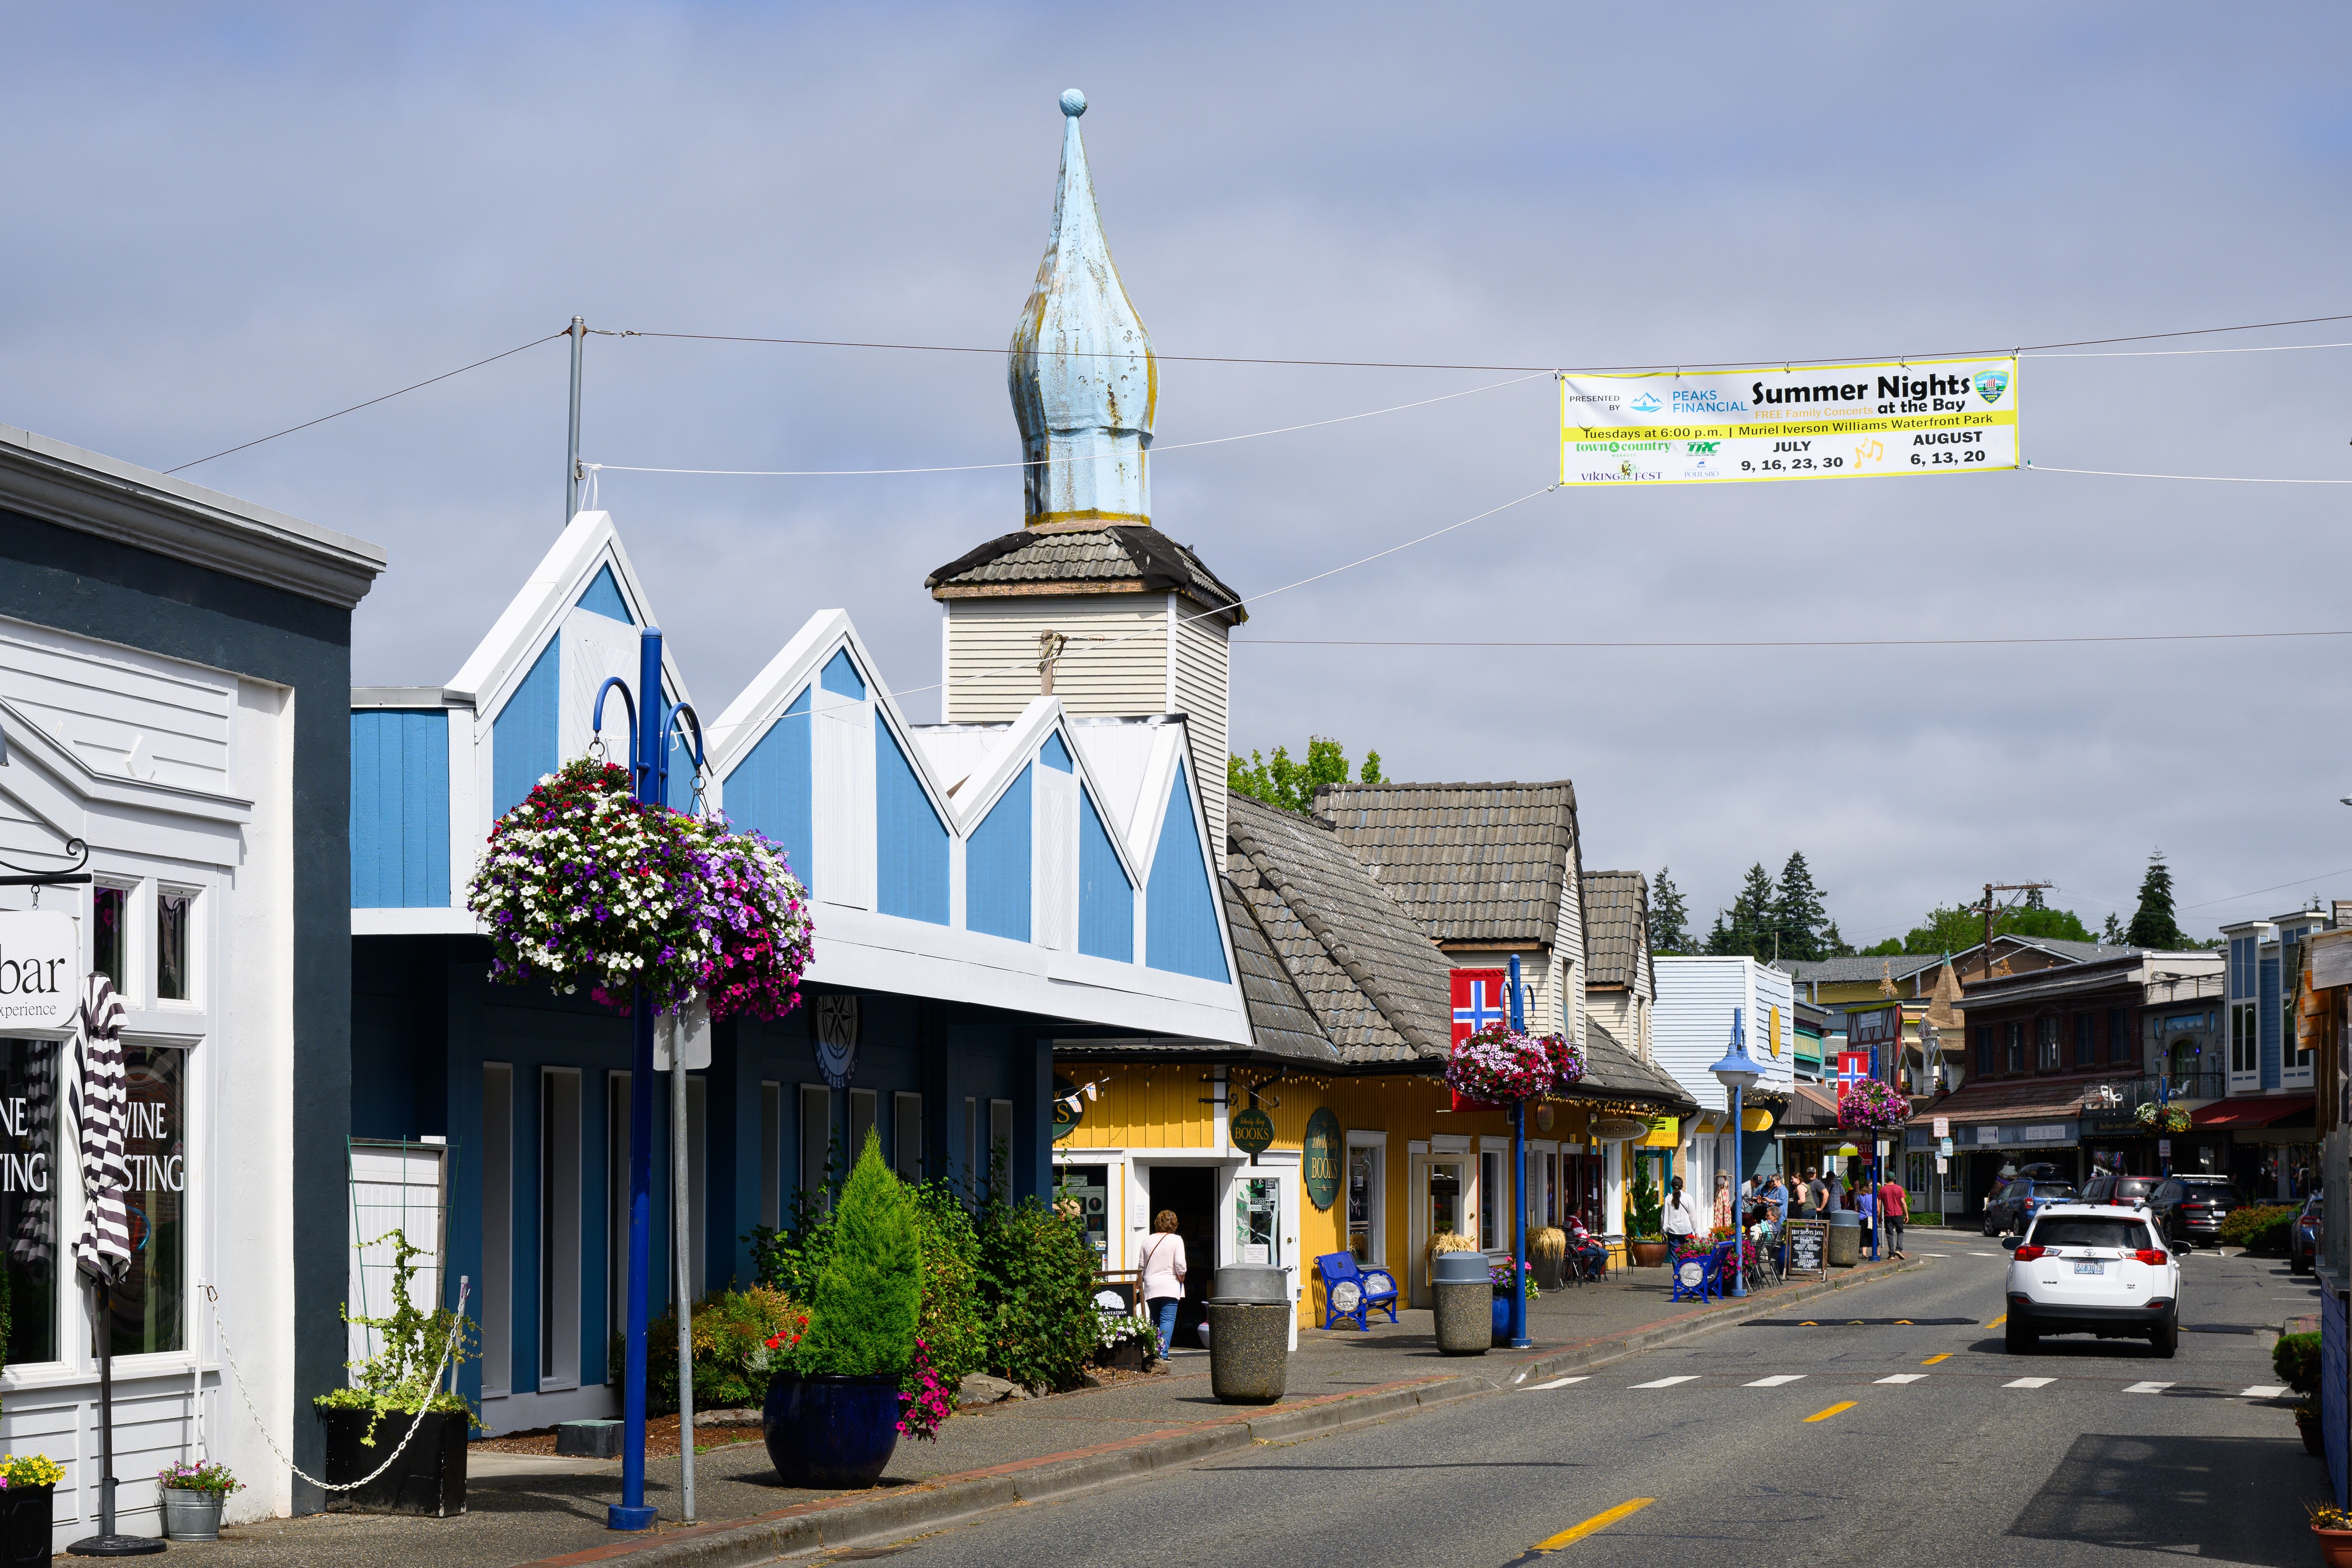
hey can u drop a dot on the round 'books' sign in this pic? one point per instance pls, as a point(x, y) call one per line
point(1321, 1158)
point(1252, 1130)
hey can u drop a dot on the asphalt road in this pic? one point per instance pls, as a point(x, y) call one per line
point(1771, 1443)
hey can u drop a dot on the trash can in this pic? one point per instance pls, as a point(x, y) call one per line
point(1465, 1302)
point(1249, 1335)
point(1845, 1238)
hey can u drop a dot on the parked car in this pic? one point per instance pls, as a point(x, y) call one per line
point(2191, 1208)
point(2091, 1268)
point(2012, 1208)
point(2120, 1190)
point(2303, 1237)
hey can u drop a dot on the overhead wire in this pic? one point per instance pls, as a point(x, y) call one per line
point(1786, 642)
point(2193, 479)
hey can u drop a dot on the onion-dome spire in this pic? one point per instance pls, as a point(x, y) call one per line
point(1085, 384)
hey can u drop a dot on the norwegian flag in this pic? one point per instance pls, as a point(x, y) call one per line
point(1482, 998)
point(1854, 1071)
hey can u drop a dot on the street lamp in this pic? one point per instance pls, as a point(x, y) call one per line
point(1739, 1072)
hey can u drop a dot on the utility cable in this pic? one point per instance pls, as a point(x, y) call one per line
point(1792, 642)
point(2276, 886)
point(2195, 479)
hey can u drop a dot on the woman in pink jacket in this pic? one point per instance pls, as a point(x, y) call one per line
point(1161, 1265)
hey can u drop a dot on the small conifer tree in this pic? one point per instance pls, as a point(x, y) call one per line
point(869, 1292)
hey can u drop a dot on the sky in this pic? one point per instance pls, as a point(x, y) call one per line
point(226, 220)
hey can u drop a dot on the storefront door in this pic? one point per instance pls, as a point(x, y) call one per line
point(1192, 1192)
point(1437, 1206)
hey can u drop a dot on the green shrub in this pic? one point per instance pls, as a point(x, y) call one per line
point(869, 1293)
point(951, 1324)
point(2295, 1359)
point(1037, 1273)
point(2258, 1227)
point(728, 1327)
point(405, 1373)
point(1646, 1222)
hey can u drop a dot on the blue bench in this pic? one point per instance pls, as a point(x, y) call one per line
point(1354, 1293)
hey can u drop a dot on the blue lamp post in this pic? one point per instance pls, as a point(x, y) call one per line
point(651, 720)
point(1520, 1341)
point(1739, 1072)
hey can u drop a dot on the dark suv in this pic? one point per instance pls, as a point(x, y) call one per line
point(2120, 1190)
point(2191, 1208)
point(2012, 1208)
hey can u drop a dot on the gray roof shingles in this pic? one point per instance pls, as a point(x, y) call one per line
point(1280, 1019)
point(1474, 862)
point(1611, 1071)
point(1616, 916)
point(1116, 554)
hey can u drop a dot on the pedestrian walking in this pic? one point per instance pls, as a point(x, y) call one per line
point(1682, 1215)
point(1808, 1194)
point(1867, 1208)
point(1894, 1208)
point(1833, 1193)
point(1162, 1283)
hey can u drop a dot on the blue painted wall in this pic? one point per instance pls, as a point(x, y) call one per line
point(602, 596)
point(996, 866)
point(841, 677)
point(1055, 754)
point(400, 809)
point(911, 841)
point(522, 737)
point(1180, 934)
point(1106, 898)
point(770, 791)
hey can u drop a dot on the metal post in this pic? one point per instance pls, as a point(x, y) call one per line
point(579, 336)
point(632, 1512)
point(1518, 1184)
point(682, 1229)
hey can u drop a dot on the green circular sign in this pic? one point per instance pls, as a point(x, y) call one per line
point(1252, 1129)
point(1068, 1109)
point(1321, 1158)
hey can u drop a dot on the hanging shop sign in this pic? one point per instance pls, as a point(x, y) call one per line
point(1251, 1129)
point(1069, 1108)
point(836, 1037)
point(1790, 421)
point(40, 980)
point(1321, 1158)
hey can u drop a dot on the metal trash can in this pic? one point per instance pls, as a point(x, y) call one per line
point(1465, 1302)
point(1249, 1335)
point(1845, 1238)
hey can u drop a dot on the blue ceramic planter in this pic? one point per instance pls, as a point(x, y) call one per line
point(835, 1433)
point(1501, 1320)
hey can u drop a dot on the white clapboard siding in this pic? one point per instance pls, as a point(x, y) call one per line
point(1568, 950)
point(841, 736)
point(1690, 1028)
point(1203, 694)
point(1054, 877)
point(1116, 662)
point(124, 713)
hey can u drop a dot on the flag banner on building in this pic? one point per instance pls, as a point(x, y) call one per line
point(1852, 1068)
point(1482, 998)
point(1807, 421)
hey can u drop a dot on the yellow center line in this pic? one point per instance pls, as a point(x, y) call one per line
point(1998, 1321)
point(1934, 1359)
point(1577, 1532)
point(1830, 1412)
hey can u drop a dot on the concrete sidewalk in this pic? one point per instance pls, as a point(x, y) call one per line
point(547, 1512)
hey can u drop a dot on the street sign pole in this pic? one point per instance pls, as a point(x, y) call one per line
point(1520, 1341)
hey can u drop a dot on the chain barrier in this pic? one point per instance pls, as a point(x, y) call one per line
point(229, 1356)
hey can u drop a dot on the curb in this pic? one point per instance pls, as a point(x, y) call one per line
point(844, 1522)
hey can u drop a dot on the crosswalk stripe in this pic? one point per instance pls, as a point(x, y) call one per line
point(1555, 1383)
point(1940, 1255)
point(2148, 1388)
point(1777, 1381)
point(2031, 1383)
point(1984, 1255)
point(1668, 1381)
point(1904, 1377)
point(2262, 1391)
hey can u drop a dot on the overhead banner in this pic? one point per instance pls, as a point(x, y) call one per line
point(1820, 422)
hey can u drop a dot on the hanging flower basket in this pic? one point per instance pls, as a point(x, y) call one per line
point(1870, 1105)
point(583, 886)
point(2162, 1117)
point(1496, 1065)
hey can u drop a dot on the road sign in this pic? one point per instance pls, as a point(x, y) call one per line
point(1943, 1148)
point(1944, 1131)
point(2164, 1148)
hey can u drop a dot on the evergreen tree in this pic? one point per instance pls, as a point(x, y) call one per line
point(1669, 917)
point(1291, 786)
point(1745, 930)
point(2153, 925)
point(869, 1292)
point(1833, 945)
point(1796, 914)
point(2112, 933)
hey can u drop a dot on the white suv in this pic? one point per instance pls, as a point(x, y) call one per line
point(2093, 1268)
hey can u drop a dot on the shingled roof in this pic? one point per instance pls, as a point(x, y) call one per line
point(1119, 558)
point(1280, 1019)
point(1474, 862)
point(1616, 915)
point(1611, 1071)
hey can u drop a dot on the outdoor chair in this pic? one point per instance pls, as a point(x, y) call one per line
point(1353, 1293)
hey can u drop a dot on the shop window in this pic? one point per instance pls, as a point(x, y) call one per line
point(2085, 1048)
point(559, 1228)
point(817, 1139)
point(28, 1214)
point(1257, 1222)
point(2017, 1047)
point(2119, 1035)
point(1491, 1203)
point(771, 1138)
point(497, 1227)
point(150, 1305)
point(865, 1105)
point(2244, 1051)
point(174, 912)
point(1445, 1198)
point(2045, 1045)
point(109, 935)
point(1364, 1202)
point(907, 1136)
point(1088, 1186)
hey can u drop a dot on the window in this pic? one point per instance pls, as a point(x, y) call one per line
point(2017, 1047)
point(1364, 1202)
point(1088, 1186)
point(173, 913)
point(771, 1153)
point(2045, 1045)
point(2245, 1053)
point(1491, 1204)
point(863, 1106)
point(817, 1139)
point(559, 1228)
point(2119, 1035)
point(28, 1215)
point(2085, 1045)
point(1257, 1222)
point(497, 1227)
point(109, 935)
point(1984, 1050)
point(1000, 1142)
point(1445, 1197)
point(907, 1136)
point(150, 1305)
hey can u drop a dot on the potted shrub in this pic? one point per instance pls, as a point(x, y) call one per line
point(1547, 1255)
point(2333, 1526)
point(396, 1423)
point(28, 1492)
point(1501, 1274)
point(833, 1411)
point(194, 1496)
point(1646, 1236)
point(1126, 1342)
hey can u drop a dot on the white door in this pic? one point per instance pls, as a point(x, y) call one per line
point(1438, 1193)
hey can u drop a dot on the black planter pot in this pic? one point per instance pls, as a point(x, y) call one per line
point(25, 1517)
point(835, 1434)
point(429, 1477)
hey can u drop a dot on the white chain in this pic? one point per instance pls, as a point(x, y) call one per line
point(229, 1356)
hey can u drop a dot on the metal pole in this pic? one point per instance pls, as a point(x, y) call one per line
point(579, 336)
point(680, 1201)
point(632, 1512)
point(1518, 1184)
point(1739, 1209)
